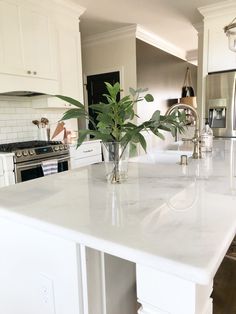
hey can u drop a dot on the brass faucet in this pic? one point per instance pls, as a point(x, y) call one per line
point(196, 138)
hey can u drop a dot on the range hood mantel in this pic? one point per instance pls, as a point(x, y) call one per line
point(21, 94)
point(16, 85)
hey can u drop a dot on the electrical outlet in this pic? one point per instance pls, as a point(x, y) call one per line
point(47, 295)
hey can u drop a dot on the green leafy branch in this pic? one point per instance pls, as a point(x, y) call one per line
point(114, 118)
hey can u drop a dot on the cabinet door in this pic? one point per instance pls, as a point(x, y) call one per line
point(37, 42)
point(11, 54)
point(69, 61)
point(87, 154)
point(220, 58)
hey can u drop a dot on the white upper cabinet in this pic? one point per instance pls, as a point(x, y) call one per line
point(215, 53)
point(27, 43)
point(11, 52)
point(69, 63)
point(40, 47)
point(70, 71)
point(38, 42)
point(220, 58)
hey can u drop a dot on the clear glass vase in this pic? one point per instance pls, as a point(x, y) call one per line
point(116, 157)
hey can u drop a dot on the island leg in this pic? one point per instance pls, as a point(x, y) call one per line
point(163, 293)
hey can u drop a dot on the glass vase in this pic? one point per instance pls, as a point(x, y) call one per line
point(116, 157)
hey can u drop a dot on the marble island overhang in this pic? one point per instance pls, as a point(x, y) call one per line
point(178, 221)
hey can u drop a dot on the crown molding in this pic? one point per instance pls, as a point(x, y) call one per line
point(64, 7)
point(159, 42)
point(218, 9)
point(109, 36)
point(71, 5)
point(192, 56)
point(135, 31)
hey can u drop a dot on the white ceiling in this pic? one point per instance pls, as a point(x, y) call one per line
point(170, 19)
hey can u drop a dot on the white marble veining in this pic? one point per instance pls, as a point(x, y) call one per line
point(174, 218)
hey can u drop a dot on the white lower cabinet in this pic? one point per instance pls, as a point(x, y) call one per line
point(86, 154)
point(39, 273)
point(7, 176)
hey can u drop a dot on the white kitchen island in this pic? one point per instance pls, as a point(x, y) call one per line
point(174, 222)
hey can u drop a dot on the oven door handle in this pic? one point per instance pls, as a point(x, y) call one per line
point(39, 163)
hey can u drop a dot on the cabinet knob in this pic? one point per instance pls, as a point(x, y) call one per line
point(34, 72)
point(28, 72)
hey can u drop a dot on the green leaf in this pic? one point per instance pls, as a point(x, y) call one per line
point(149, 98)
point(101, 107)
point(113, 90)
point(133, 150)
point(97, 136)
point(82, 136)
point(132, 91)
point(157, 133)
point(142, 141)
point(74, 113)
point(156, 116)
point(143, 90)
point(71, 101)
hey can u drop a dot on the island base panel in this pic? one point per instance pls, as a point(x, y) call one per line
point(162, 293)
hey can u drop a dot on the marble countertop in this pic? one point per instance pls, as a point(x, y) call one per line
point(177, 219)
point(5, 154)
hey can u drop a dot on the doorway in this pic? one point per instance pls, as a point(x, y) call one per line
point(96, 88)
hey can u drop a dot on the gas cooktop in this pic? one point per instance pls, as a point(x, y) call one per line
point(12, 147)
point(32, 150)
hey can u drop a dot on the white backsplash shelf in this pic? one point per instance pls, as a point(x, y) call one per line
point(16, 115)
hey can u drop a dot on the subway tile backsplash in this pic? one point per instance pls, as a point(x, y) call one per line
point(16, 117)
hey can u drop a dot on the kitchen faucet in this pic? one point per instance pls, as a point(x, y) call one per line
point(196, 138)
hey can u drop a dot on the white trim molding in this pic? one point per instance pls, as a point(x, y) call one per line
point(159, 42)
point(135, 31)
point(71, 5)
point(101, 38)
point(218, 9)
point(192, 56)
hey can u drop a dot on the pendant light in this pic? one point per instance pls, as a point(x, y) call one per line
point(230, 31)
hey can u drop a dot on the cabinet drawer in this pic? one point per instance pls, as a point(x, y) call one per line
point(81, 162)
point(86, 150)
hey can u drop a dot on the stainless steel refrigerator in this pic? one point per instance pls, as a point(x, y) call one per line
point(220, 103)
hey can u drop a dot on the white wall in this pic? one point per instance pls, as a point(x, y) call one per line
point(163, 74)
point(115, 54)
point(16, 115)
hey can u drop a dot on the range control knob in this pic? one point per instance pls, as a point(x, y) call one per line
point(25, 153)
point(31, 152)
point(18, 153)
point(56, 148)
point(66, 146)
point(61, 147)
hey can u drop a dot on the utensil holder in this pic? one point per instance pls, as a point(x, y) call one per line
point(43, 134)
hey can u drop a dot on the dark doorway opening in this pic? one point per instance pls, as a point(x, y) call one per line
point(96, 88)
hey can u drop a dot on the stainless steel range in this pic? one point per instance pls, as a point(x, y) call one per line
point(28, 157)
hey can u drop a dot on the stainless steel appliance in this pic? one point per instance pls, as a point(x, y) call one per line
point(28, 157)
point(220, 103)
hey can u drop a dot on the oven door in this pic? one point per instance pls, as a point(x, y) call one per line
point(33, 169)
